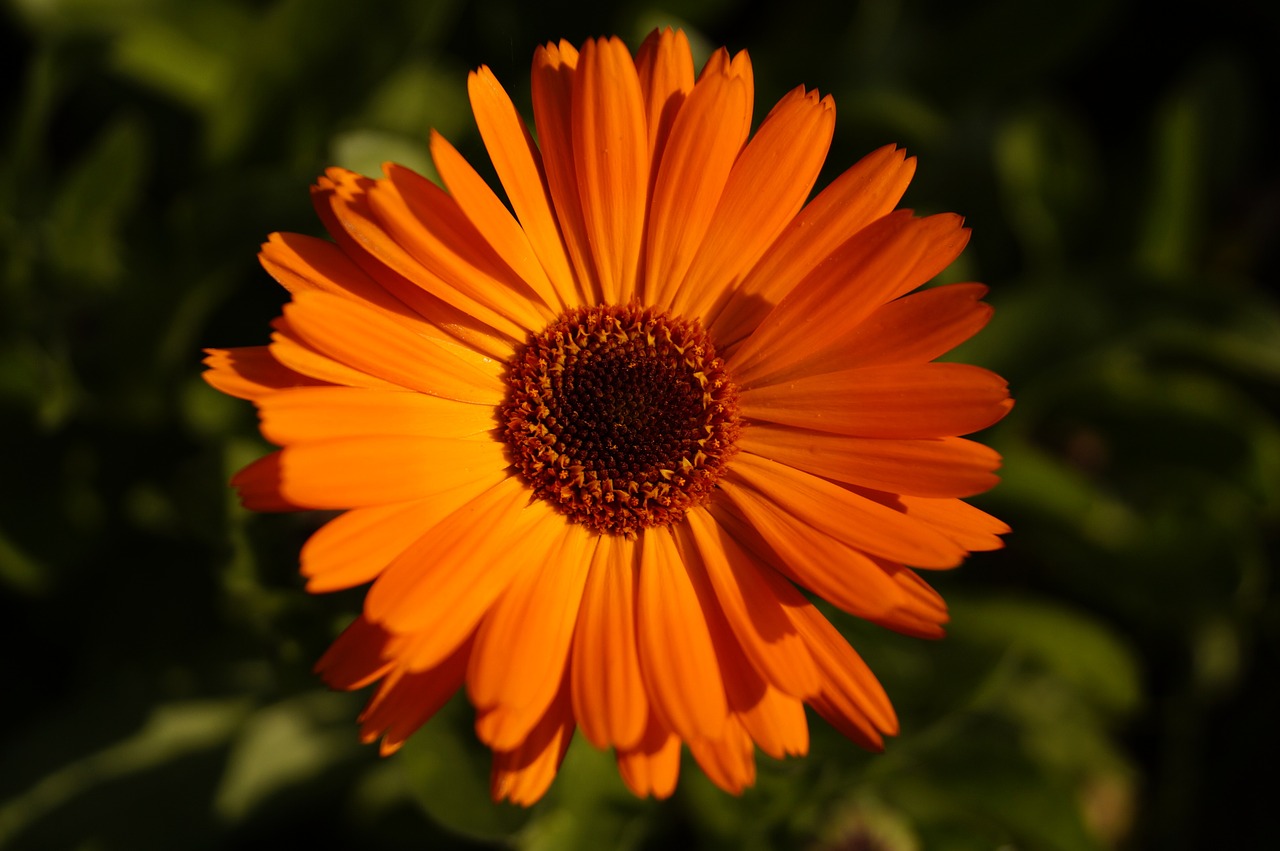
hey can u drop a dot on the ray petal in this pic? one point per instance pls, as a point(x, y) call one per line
point(323, 413)
point(522, 775)
point(251, 372)
point(653, 765)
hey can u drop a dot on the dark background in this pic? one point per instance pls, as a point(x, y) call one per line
point(1109, 678)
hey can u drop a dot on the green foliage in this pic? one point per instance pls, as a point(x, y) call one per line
point(1106, 674)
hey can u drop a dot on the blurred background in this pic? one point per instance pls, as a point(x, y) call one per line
point(1109, 679)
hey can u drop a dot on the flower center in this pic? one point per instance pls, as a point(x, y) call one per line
point(623, 417)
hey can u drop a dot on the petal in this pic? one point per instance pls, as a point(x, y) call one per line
point(522, 775)
point(611, 149)
point(970, 527)
point(323, 413)
point(356, 546)
point(750, 602)
point(554, 69)
point(464, 270)
point(251, 372)
point(377, 345)
point(356, 472)
point(441, 586)
point(342, 200)
point(609, 698)
point(357, 657)
point(495, 224)
point(729, 761)
point(853, 701)
point(769, 183)
point(776, 723)
point(523, 644)
point(295, 353)
point(903, 401)
point(677, 659)
point(408, 699)
point(769, 489)
point(664, 65)
point(516, 159)
point(884, 260)
point(695, 167)
point(938, 467)
point(653, 765)
point(864, 193)
point(915, 328)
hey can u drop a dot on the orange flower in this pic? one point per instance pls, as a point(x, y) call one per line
point(590, 447)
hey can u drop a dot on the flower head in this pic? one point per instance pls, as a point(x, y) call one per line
point(590, 448)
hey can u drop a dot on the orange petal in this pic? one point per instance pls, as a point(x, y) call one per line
point(729, 761)
point(344, 202)
point(609, 698)
point(523, 643)
point(776, 490)
point(902, 401)
point(776, 723)
point(554, 69)
point(377, 345)
point(406, 700)
point(292, 351)
point(611, 149)
point(739, 65)
point(770, 180)
point(495, 224)
point(441, 586)
point(464, 269)
point(356, 472)
point(881, 262)
point(677, 658)
point(864, 193)
point(251, 372)
point(664, 64)
point(355, 547)
point(304, 263)
point(970, 527)
point(522, 775)
point(652, 766)
point(516, 159)
point(853, 701)
point(323, 413)
point(752, 607)
point(705, 140)
point(915, 328)
point(357, 657)
point(939, 467)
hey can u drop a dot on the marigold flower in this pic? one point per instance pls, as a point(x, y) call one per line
point(591, 447)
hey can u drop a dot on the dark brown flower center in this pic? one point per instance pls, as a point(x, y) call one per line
point(623, 417)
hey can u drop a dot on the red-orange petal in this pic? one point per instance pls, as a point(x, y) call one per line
point(408, 699)
point(522, 775)
point(357, 657)
point(915, 328)
point(729, 761)
point(653, 765)
point(664, 65)
point(251, 372)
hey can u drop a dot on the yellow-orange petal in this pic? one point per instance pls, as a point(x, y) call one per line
point(871, 188)
point(523, 774)
point(357, 657)
point(751, 605)
point(768, 184)
point(653, 765)
point(356, 546)
point(835, 511)
point(440, 587)
point(554, 69)
point(664, 65)
point(611, 149)
point(518, 163)
point(379, 346)
point(695, 167)
point(609, 698)
point(915, 328)
point(408, 699)
point(933, 467)
point(251, 372)
point(882, 261)
point(677, 658)
point(729, 761)
point(323, 413)
point(523, 643)
point(356, 472)
point(900, 401)
point(493, 221)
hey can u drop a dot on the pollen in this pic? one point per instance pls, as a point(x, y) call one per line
point(622, 417)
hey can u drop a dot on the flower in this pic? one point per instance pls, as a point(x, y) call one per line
point(591, 447)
